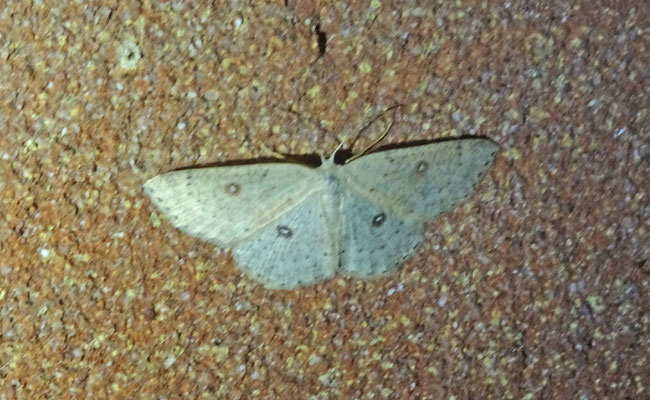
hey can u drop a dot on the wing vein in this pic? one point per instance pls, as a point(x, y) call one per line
point(378, 198)
point(274, 214)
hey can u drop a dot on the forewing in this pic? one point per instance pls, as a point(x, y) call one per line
point(425, 180)
point(223, 205)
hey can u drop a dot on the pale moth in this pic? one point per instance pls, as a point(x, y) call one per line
point(290, 225)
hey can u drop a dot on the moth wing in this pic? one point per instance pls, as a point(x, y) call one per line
point(424, 180)
point(295, 249)
point(375, 240)
point(224, 205)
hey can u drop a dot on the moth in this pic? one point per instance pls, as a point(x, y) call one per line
point(289, 224)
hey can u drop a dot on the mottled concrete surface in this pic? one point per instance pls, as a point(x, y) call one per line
point(535, 289)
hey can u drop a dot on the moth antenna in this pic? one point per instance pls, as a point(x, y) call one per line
point(366, 127)
point(373, 144)
point(336, 150)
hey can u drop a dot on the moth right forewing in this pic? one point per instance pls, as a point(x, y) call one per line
point(426, 180)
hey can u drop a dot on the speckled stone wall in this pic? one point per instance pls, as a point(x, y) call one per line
point(535, 289)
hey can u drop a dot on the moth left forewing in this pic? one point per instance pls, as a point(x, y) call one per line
point(225, 204)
